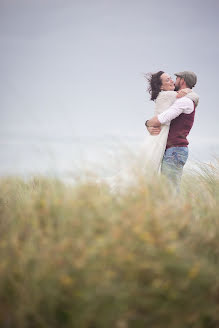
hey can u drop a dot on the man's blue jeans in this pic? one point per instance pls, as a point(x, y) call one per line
point(172, 164)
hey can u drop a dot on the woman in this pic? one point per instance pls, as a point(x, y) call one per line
point(161, 88)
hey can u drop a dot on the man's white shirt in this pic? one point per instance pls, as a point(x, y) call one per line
point(181, 105)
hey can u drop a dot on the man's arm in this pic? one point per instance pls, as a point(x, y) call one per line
point(180, 105)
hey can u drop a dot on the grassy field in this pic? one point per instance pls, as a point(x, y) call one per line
point(81, 256)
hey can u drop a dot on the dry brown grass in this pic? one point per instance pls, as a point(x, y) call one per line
point(82, 256)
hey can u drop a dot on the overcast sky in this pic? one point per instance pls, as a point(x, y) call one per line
point(76, 68)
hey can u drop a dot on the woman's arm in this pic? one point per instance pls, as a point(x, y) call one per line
point(183, 92)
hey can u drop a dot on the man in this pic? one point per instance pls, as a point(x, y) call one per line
point(181, 117)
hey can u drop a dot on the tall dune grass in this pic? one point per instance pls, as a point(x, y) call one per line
point(81, 256)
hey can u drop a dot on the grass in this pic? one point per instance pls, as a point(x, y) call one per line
point(81, 256)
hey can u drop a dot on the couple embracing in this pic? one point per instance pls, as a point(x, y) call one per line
point(175, 105)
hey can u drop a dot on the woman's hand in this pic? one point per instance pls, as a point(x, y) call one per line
point(183, 92)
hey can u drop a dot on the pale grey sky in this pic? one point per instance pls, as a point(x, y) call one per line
point(76, 68)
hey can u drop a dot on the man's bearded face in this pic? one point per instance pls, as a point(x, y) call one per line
point(178, 83)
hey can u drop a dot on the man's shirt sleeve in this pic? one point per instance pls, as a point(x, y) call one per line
point(181, 105)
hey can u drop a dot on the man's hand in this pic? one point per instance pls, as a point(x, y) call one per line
point(154, 122)
point(154, 131)
point(153, 126)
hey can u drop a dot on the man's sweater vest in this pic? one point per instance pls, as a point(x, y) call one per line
point(179, 130)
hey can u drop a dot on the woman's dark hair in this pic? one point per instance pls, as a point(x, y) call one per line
point(155, 83)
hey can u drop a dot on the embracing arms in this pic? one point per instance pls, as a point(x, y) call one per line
point(181, 105)
point(184, 105)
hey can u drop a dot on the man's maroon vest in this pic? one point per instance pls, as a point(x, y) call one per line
point(179, 129)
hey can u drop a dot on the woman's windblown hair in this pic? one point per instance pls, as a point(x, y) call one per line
point(155, 83)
